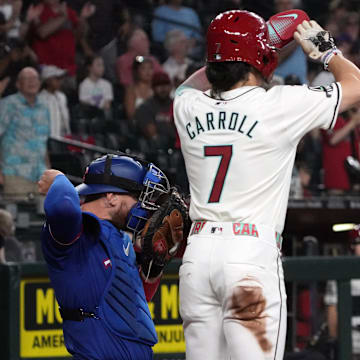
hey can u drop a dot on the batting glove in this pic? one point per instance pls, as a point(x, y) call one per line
point(317, 43)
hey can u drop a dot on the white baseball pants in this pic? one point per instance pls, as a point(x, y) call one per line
point(232, 293)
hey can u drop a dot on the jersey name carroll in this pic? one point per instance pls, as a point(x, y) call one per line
point(239, 150)
point(222, 120)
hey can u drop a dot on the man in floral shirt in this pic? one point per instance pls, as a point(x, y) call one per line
point(24, 131)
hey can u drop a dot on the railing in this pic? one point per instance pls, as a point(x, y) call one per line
point(85, 146)
point(95, 151)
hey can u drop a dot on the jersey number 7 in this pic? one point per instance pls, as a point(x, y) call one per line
point(225, 151)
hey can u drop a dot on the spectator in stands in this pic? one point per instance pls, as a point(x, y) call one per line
point(10, 23)
point(24, 131)
point(55, 100)
point(103, 26)
point(10, 247)
point(55, 34)
point(331, 300)
point(177, 46)
point(292, 60)
point(18, 55)
point(336, 17)
point(137, 45)
point(154, 117)
point(117, 46)
point(141, 90)
point(339, 143)
point(352, 26)
point(32, 16)
point(172, 16)
point(94, 90)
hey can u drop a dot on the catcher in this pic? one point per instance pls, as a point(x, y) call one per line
point(101, 289)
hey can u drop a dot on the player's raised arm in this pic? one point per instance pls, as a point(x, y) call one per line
point(318, 44)
point(62, 206)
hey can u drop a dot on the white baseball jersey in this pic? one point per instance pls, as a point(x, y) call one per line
point(239, 152)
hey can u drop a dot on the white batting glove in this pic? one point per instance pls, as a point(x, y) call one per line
point(316, 42)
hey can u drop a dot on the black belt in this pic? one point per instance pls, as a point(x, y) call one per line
point(76, 314)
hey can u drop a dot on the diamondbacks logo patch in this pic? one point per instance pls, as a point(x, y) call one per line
point(326, 89)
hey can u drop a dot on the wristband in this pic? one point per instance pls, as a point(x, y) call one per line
point(325, 59)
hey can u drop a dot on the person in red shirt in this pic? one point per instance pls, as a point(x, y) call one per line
point(340, 142)
point(55, 34)
point(138, 45)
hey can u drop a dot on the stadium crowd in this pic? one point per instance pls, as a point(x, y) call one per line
point(107, 71)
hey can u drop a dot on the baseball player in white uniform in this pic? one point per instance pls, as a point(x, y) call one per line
point(239, 143)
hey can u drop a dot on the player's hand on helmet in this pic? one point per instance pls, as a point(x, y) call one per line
point(46, 179)
point(316, 42)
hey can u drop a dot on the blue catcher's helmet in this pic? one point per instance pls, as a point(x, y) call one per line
point(126, 175)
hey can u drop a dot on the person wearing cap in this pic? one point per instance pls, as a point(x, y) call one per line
point(101, 291)
point(55, 100)
point(154, 117)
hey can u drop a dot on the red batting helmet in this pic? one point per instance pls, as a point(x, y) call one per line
point(240, 35)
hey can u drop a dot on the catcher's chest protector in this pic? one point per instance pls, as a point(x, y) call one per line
point(123, 305)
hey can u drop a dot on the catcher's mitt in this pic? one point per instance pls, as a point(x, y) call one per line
point(163, 234)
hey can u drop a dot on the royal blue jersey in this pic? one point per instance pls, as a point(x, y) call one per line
point(92, 266)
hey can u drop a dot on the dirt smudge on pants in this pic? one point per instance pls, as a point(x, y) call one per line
point(247, 305)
